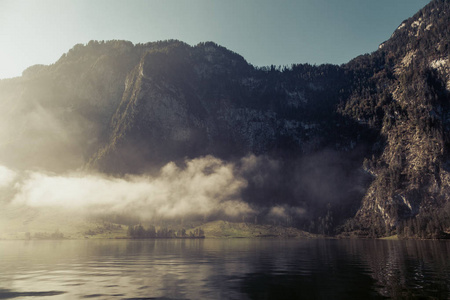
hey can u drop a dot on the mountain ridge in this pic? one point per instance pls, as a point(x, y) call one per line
point(363, 147)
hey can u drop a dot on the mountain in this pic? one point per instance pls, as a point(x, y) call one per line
point(360, 148)
point(183, 101)
point(406, 99)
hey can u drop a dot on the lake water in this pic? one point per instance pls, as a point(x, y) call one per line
point(224, 269)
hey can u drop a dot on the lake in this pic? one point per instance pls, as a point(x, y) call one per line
point(224, 269)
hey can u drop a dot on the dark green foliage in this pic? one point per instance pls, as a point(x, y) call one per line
point(427, 225)
point(57, 235)
point(139, 232)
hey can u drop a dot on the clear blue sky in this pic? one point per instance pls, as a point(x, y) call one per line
point(264, 32)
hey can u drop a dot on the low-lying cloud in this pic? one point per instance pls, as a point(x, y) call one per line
point(7, 176)
point(204, 186)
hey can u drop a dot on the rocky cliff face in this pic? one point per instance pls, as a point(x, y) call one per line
point(406, 99)
point(367, 139)
point(183, 101)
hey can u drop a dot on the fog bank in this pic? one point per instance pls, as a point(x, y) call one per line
point(204, 186)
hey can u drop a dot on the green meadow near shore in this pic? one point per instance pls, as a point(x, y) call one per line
point(223, 229)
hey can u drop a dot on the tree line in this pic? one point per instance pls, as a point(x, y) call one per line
point(139, 232)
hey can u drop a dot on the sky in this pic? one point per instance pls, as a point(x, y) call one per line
point(264, 32)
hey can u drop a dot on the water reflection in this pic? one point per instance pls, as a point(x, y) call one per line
point(224, 269)
point(407, 269)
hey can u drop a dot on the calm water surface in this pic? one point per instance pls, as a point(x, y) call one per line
point(224, 269)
